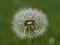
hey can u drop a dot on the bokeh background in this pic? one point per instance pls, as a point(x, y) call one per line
point(9, 7)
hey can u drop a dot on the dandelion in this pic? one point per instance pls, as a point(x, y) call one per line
point(29, 23)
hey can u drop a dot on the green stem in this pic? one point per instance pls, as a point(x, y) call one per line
point(31, 41)
point(31, 35)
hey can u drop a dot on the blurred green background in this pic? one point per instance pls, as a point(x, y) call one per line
point(9, 7)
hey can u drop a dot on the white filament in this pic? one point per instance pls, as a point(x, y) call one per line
point(26, 14)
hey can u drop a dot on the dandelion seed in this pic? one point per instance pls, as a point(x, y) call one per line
point(29, 21)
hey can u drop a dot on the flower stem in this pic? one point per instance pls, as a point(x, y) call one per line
point(31, 41)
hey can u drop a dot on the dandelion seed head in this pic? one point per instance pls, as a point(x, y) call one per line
point(29, 14)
